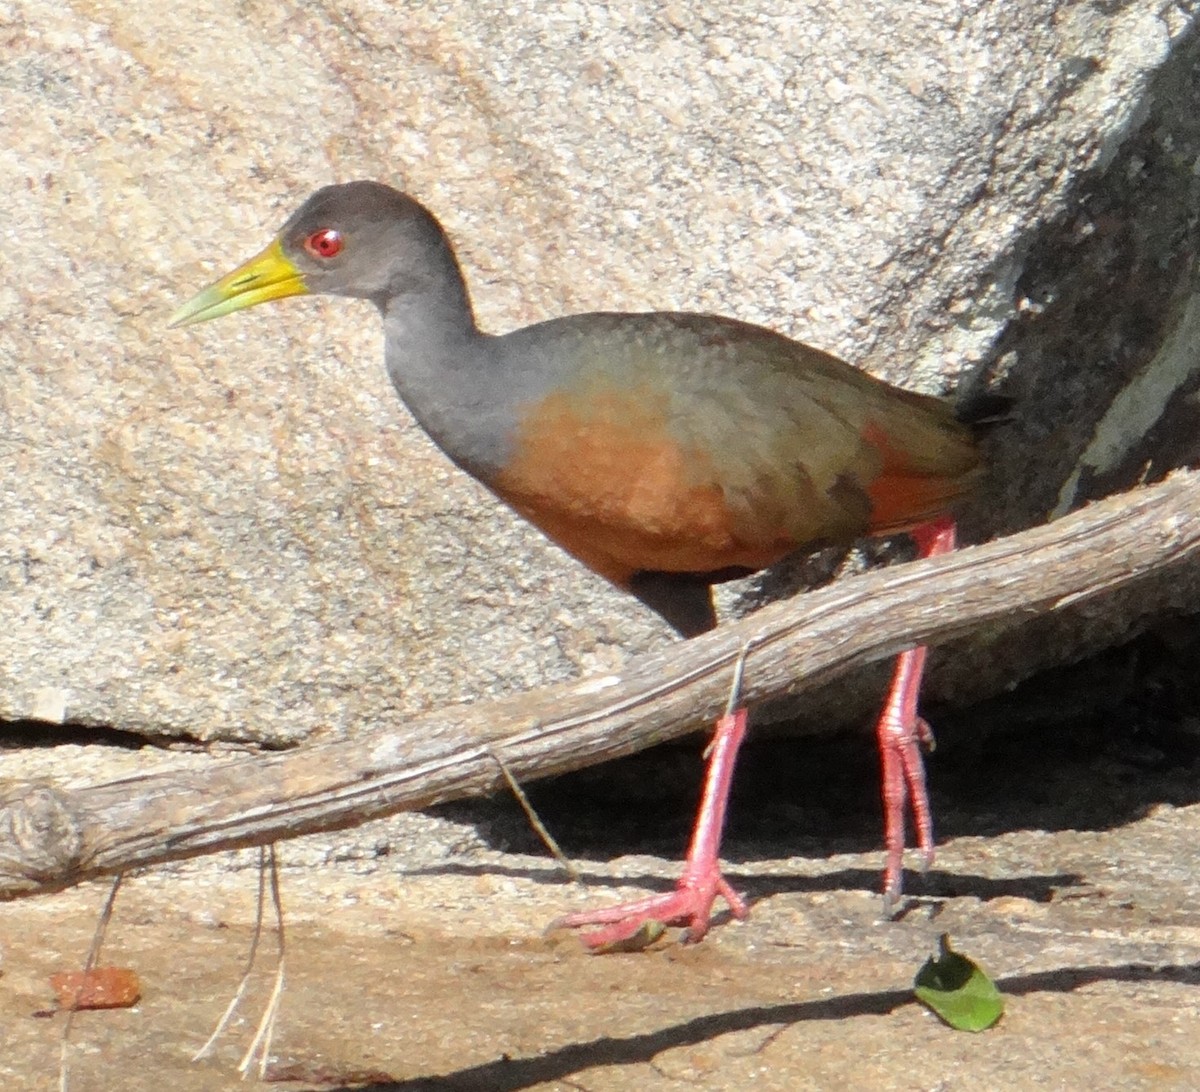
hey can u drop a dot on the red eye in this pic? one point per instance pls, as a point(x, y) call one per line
point(325, 243)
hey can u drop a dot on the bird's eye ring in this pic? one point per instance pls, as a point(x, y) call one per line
point(324, 243)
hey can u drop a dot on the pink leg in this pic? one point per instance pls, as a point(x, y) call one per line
point(692, 900)
point(902, 734)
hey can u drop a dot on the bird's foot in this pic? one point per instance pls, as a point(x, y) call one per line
point(901, 753)
point(903, 734)
point(690, 904)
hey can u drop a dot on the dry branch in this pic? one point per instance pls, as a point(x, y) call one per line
point(51, 838)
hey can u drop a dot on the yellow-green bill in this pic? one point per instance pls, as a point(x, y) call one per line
point(266, 276)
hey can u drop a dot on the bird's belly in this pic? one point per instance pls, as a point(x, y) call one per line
point(618, 492)
point(618, 540)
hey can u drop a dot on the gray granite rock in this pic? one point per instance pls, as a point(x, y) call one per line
point(236, 532)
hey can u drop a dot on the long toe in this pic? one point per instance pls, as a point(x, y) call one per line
point(690, 904)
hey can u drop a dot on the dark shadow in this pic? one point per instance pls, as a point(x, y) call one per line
point(1093, 746)
point(30, 734)
point(921, 889)
point(25, 734)
point(513, 1074)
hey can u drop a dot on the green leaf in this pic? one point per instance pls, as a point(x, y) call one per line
point(648, 932)
point(957, 991)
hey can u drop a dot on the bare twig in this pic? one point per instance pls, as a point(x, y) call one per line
point(51, 838)
point(93, 957)
point(535, 821)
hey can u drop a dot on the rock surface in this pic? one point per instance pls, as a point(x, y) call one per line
point(236, 533)
point(426, 970)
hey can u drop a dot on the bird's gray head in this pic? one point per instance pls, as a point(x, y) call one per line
point(364, 239)
point(360, 239)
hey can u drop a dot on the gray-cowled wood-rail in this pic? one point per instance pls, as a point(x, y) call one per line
point(667, 451)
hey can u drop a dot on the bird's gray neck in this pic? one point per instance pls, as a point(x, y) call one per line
point(441, 366)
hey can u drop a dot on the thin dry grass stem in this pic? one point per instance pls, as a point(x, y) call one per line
point(734, 700)
point(92, 956)
point(548, 839)
point(251, 956)
point(261, 1043)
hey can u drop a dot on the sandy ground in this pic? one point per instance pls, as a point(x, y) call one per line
point(416, 957)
